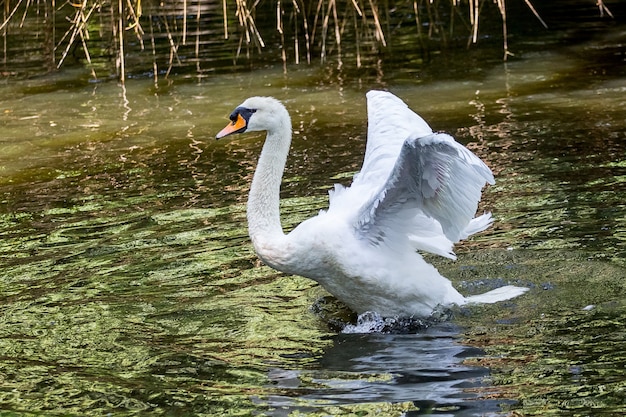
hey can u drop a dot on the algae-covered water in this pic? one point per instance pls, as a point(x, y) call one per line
point(128, 285)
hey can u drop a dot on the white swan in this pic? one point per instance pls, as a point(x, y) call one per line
point(417, 190)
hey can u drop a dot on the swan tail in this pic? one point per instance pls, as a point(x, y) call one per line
point(499, 294)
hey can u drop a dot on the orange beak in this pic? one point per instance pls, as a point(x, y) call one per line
point(234, 127)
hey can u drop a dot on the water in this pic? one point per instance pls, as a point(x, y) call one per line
point(129, 286)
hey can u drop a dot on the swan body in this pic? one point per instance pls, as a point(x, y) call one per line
point(417, 191)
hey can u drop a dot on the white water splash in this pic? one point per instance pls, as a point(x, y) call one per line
point(372, 322)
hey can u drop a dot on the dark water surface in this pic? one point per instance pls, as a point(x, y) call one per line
point(128, 285)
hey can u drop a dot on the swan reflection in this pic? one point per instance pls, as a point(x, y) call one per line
point(426, 370)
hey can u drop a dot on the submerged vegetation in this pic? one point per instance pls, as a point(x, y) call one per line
point(151, 37)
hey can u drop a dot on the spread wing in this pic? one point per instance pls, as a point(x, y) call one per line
point(414, 184)
point(389, 123)
point(435, 184)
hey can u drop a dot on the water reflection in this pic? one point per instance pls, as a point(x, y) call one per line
point(420, 373)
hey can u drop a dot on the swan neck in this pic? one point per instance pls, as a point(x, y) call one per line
point(263, 210)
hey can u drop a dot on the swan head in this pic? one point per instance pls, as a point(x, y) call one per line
point(256, 114)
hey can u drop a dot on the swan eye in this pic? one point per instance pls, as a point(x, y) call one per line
point(244, 112)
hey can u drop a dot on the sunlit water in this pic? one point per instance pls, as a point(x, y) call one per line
point(129, 286)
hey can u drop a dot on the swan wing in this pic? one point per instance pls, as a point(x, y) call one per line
point(432, 192)
point(390, 121)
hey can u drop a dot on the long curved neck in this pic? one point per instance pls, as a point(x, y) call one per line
point(264, 198)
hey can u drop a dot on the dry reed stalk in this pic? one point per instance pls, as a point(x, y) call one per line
point(225, 16)
point(357, 8)
point(8, 18)
point(474, 13)
point(78, 28)
point(532, 9)
point(603, 8)
point(134, 14)
point(357, 38)
point(317, 13)
point(28, 3)
point(380, 35)
point(197, 45)
point(246, 21)
point(367, 18)
point(296, 37)
point(337, 31)
point(155, 67)
point(418, 24)
point(325, 13)
point(300, 9)
point(121, 64)
point(281, 32)
point(83, 35)
point(173, 48)
point(325, 22)
point(184, 41)
point(297, 11)
point(502, 8)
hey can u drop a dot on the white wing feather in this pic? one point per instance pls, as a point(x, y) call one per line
point(414, 183)
point(436, 177)
point(389, 123)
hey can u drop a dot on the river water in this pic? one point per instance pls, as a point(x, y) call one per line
point(128, 285)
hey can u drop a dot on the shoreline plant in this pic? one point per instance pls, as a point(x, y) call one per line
point(107, 35)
